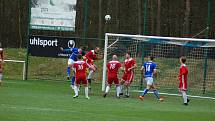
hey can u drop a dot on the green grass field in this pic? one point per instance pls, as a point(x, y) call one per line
point(34, 100)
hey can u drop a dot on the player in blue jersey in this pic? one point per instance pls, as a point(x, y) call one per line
point(71, 60)
point(149, 71)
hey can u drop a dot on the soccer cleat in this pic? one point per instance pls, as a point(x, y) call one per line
point(68, 77)
point(75, 96)
point(141, 98)
point(88, 98)
point(121, 93)
point(188, 100)
point(186, 104)
point(126, 96)
point(161, 99)
point(104, 95)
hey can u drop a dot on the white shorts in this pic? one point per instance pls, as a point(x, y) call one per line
point(149, 80)
point(70, 62)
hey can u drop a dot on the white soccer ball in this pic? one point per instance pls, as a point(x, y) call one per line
point(107, 17)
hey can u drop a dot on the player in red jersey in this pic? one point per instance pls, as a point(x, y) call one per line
point(128, 75)
point(1, 64)
point(80, 67)
point(183, 73)
point(90, 57)
point(113, 68)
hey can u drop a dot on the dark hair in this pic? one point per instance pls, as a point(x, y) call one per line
point(79, 56)
point(183, 59)
point(129, 53)
point(151, 58)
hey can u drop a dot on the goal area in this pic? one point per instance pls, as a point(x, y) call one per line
point(200, 54)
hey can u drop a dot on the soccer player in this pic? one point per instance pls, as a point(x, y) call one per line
point(1, 65)
point(182, 77)
point(71, 60)
point(80, 67)
point(149, 71)
point(113, 67)
point(127, 78)
point(90, 57)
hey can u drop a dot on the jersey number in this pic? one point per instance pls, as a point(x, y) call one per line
point(148, 68)
point(112, 66)
point(80, 67)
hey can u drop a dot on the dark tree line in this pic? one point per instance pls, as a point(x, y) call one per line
point(178, 18)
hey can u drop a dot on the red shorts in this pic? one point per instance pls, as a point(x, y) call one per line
point(128, 77)
point(81, 79)
point(113, 78)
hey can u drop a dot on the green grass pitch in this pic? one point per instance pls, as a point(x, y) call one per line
point(53, 101)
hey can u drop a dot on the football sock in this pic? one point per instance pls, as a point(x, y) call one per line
point(184, 95)
point(156, 94)
point(68, 71)
point(107, 89)
point(86, 91)
point(145, 92)
point(117, 91)
point(73, 80)
point(121, 88)
point(127, 91)
point(76, 90)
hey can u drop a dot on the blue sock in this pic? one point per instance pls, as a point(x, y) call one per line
point(156, 94)
point(68, 71)
point(144, 92)
point(73, 80)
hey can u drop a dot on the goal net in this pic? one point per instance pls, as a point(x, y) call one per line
point(167, 51)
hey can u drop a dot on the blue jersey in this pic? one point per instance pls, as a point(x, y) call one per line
point(74, 54)
point(149, 68)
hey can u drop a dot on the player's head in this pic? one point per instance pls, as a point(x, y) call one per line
point(150, 58)
point(127, 55)
point(79, 57)
point(183, 59)
point(97, 49)
point(114, 57)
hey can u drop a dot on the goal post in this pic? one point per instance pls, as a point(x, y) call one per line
point(18, 61)
point(166, 50)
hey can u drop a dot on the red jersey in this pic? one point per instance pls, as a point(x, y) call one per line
point(183, 72)
point(80, 68)
point(90, 56)
point(113, 67)
point(128, 64)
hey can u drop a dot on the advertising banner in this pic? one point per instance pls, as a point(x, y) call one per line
point(45, 46)
point(58, 15)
